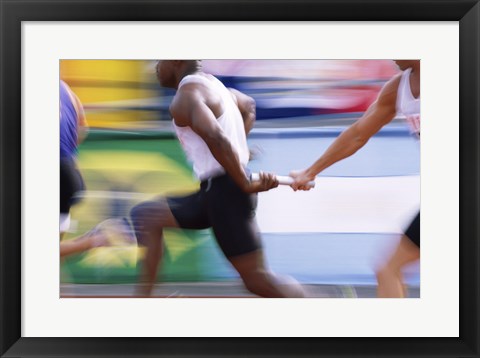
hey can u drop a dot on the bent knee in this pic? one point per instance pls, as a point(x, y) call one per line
point(149, 213)
point(255, 279)
point(387, 273)
point(258, 284)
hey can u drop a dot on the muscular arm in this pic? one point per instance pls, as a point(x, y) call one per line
point(247, 107)
point(381, 112)
point(190, 108)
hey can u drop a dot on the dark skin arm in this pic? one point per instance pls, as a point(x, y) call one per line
point(197, 107)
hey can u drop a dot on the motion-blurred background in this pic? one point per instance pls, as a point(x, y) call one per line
point(330, 238)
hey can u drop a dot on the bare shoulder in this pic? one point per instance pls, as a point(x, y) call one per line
point(182, 102)
point(388, 93)
point(192, 92)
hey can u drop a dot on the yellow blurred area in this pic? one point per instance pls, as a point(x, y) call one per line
point(122, 256)
point(107, 87)
point(149, 173)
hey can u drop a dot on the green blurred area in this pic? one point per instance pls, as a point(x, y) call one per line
point(120, 170)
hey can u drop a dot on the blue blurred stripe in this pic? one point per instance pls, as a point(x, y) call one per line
point(332, 258)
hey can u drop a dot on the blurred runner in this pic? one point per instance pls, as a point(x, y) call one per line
point(73, 130)
point(212, 123)
point(401, 94)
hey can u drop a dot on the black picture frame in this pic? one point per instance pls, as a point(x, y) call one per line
point(13, 12)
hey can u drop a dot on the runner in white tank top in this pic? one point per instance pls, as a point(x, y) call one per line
point(407, 104)
point(400, 94)
point(212, 123)
point(231, 123)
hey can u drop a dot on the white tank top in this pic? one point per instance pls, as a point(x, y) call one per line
point(231, 121)
point(407, 104)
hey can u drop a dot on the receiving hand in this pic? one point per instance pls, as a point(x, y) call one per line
point(301, 180)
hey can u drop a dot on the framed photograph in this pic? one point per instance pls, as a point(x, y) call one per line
point(314, 68)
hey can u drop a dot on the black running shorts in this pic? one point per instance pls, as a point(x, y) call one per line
point(223, 206)
point(413, 231)
point(71, 182)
